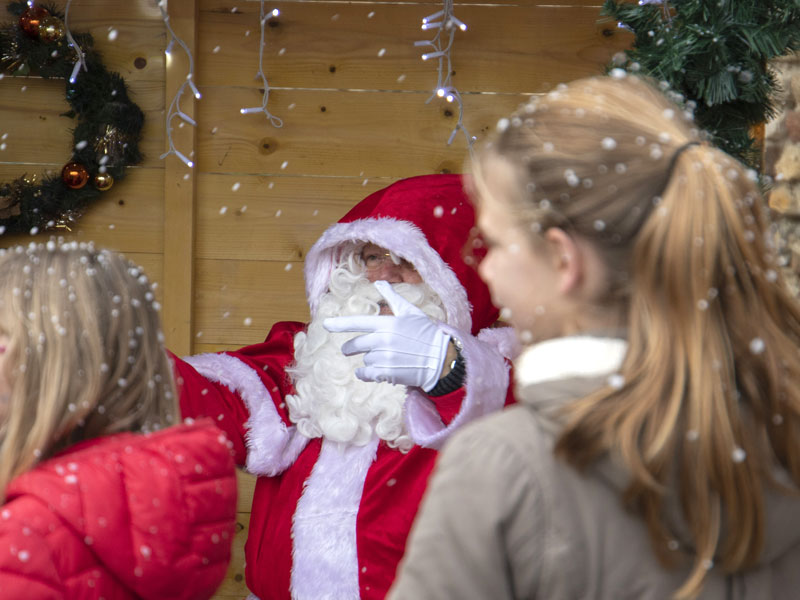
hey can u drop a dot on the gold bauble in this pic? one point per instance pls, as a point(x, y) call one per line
point(51, 29)
point(103, 181)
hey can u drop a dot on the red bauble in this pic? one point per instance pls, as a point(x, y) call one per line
point(74, 175)
point(30, 18)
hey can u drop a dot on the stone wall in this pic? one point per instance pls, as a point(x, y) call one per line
point(782, 164)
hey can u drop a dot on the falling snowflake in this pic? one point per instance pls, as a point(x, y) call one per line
point(616, 381)
point(618, 73)
point(608, 143)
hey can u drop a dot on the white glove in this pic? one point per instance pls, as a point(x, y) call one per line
point(405, 348)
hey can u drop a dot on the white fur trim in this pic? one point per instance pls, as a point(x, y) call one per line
point(324, 553)
point(271, 446)
point(403, 238)
point(502, 338)
point(569, 357)
point(486, 386)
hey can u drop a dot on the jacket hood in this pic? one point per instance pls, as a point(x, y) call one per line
point(550, 374)
point(426, 220)
point(157, 510)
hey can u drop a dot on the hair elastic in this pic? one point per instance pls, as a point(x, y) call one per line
point(677, 155)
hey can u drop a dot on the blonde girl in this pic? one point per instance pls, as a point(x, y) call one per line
point(655, 452)
point(90, 476)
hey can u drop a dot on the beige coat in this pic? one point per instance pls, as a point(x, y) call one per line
point(503, 518)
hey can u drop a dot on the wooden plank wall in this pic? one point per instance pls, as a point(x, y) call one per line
point(227, 239)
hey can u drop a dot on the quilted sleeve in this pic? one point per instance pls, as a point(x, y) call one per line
point(26, 565)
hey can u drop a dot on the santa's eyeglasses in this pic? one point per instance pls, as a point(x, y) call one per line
point(374, 257)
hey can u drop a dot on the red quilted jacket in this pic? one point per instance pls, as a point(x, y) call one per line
point(122, 517)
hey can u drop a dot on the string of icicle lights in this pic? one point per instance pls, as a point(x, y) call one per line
point(275, 121)
point(175, 106)
point(445, 24)
point(80, 63)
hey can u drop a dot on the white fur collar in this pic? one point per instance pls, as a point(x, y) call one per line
point(568, 357)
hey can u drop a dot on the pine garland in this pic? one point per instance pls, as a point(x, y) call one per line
point(714, 53)
point(106, 135)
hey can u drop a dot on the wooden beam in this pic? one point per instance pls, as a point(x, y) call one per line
point(179, 191)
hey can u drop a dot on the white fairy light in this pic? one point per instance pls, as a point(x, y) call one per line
point(274, 121)
point(175, 106)
point(445, 24)
point(81, 62)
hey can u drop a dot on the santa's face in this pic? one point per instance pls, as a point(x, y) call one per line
point(330, 401)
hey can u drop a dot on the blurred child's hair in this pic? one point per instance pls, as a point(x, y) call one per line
point(85, 354)
point(711, 393)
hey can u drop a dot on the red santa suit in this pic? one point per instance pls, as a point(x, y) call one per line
point(331, 520)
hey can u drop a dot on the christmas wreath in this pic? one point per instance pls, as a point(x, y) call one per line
point(108, 124)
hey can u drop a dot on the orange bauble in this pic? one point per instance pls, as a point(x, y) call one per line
point(74, 175)
point(30, 18)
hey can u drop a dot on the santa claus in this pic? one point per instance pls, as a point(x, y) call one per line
point(341, 418)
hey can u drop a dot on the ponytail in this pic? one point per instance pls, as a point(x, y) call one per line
point(712, 374)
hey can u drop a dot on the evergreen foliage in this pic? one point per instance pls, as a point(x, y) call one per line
point(714, 53)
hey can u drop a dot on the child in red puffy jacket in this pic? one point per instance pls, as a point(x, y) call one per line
point(103, 492)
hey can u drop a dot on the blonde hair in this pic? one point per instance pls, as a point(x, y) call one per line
point(711, 393)
point(85, 355)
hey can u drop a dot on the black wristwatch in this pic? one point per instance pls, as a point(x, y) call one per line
point(455, 378)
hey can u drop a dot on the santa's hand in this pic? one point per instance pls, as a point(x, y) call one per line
point(405, 348)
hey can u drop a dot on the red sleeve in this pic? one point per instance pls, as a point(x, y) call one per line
point(510, 398)
point(27, 569)
point(204, 397)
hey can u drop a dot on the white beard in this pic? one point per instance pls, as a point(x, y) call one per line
point(330, 401)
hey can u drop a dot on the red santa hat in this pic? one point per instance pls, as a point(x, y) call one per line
point(426, 220)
